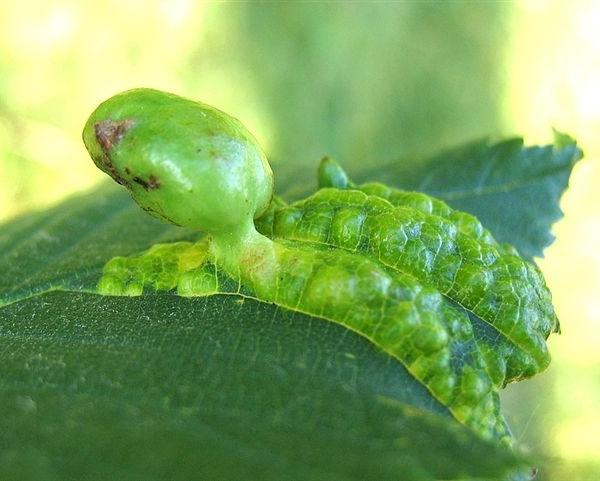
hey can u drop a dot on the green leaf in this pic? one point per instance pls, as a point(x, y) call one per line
point(161, 386)
point(452, 254)
point(65, 247)
point(512, 189)
point(224, 387)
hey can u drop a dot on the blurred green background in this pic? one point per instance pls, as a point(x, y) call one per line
point(367, 83)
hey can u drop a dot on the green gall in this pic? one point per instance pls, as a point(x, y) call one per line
point(180, 159)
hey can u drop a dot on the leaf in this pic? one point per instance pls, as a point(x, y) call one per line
point(66, 247)
point(223, 387)
point(448, 252)
point(502, 293)
point(513, 190)
point(116, 382)
point(163, 387)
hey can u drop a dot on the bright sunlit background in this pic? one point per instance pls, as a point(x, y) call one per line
point(365, 82)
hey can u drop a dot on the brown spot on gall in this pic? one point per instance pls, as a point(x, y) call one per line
point(152, 183)
point(109, 132)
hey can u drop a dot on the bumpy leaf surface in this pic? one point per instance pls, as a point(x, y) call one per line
point(448, 248)
point(496, 285)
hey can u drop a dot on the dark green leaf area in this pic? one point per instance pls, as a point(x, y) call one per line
point(221, 387)
point(67, 246)
point(514, 190)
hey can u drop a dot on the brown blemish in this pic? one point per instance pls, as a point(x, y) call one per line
point(127, 171)
point(109, 132)
point(152, 183)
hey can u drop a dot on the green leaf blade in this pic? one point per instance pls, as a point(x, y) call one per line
point(66, 247)
point(138, 411)
point(220, 387)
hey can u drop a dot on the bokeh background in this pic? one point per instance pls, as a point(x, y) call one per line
point(364, 82)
